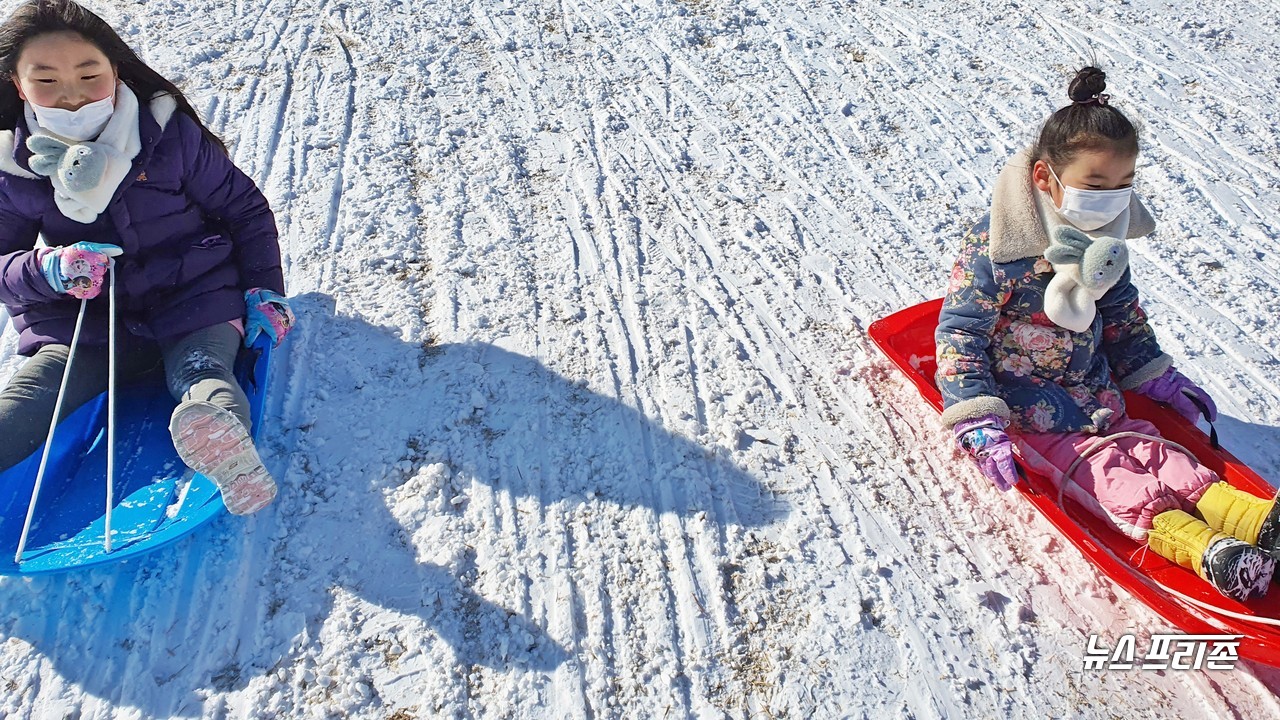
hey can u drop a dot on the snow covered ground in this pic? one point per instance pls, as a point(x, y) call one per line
point(582, 419)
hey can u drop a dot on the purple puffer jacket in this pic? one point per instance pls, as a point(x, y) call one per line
point(195, 230)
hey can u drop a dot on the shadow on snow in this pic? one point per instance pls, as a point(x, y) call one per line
point(388, 446)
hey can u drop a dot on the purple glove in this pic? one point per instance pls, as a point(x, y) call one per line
point(1174, 389)
point(984, 438)
point(266, 312)
point(77, 270)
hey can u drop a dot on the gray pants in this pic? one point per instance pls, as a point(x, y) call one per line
point(198, 366)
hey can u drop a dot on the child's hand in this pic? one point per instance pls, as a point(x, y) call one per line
point(1174, 389)
point(77, 270)
point(266, 312)
point(984, 438)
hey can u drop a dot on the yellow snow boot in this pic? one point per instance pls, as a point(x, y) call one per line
point(1235, 568)
point(1242, 515)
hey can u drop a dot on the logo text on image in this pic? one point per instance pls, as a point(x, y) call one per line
point(1166, 652)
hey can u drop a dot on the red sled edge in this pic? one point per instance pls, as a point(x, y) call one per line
point(907, 339)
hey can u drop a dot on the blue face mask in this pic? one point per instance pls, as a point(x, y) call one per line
point(1091, 209)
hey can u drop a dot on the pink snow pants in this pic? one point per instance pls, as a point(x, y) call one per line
point(1128, 482)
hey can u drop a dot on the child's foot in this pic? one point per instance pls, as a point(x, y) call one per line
point(1242, 515)
point(1237, 569)
point(1269, 533)
point(214, 443)
point(1234, 567)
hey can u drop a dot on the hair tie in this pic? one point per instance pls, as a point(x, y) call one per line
point(1100, 99)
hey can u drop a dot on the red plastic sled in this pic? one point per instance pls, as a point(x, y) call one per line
point(906, 337)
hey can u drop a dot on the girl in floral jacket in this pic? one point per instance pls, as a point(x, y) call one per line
point(107, 163)
point(1041, 331)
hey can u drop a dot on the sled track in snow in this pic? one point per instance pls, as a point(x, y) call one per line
point(581, 419)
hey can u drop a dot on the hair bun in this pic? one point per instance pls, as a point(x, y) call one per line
point(1088, 83)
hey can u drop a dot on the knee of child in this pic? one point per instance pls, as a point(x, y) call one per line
point(194, 368)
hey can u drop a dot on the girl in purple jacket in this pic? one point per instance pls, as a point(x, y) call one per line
point(103, 161)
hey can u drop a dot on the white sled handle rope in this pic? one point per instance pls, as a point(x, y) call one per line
point(1210, 607)
point(111, 403)
point(53, 425)
point(1274, 622)
point(1100, 443)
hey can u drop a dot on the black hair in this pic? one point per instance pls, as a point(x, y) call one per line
point(1088, 123)
point(43, 17)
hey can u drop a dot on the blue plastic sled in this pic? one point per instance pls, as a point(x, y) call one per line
point(159, 499)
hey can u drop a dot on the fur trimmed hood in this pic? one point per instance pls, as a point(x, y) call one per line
point(1017, 231)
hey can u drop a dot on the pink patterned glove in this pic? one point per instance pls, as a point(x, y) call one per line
point(77, 270)
point(1174, 389)
point(267, 312)
point(984, 438)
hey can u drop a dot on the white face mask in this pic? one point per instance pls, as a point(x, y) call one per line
point(85, 123)
point(1091, 209)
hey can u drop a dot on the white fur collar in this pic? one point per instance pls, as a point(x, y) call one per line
point(162, 107)
point(1017, 228)
point(7, 163)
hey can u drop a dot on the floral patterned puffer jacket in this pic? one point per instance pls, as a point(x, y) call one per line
point(999, 353)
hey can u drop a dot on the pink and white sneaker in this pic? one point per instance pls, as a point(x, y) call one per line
point(213, 442)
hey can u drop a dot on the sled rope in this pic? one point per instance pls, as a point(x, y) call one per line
point(1093, 449)
point(111, 402)
point(1274, 622)
point(1099, 444)
point(53, 425)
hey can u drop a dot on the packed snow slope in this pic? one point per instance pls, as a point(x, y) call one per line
point(582, 420)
